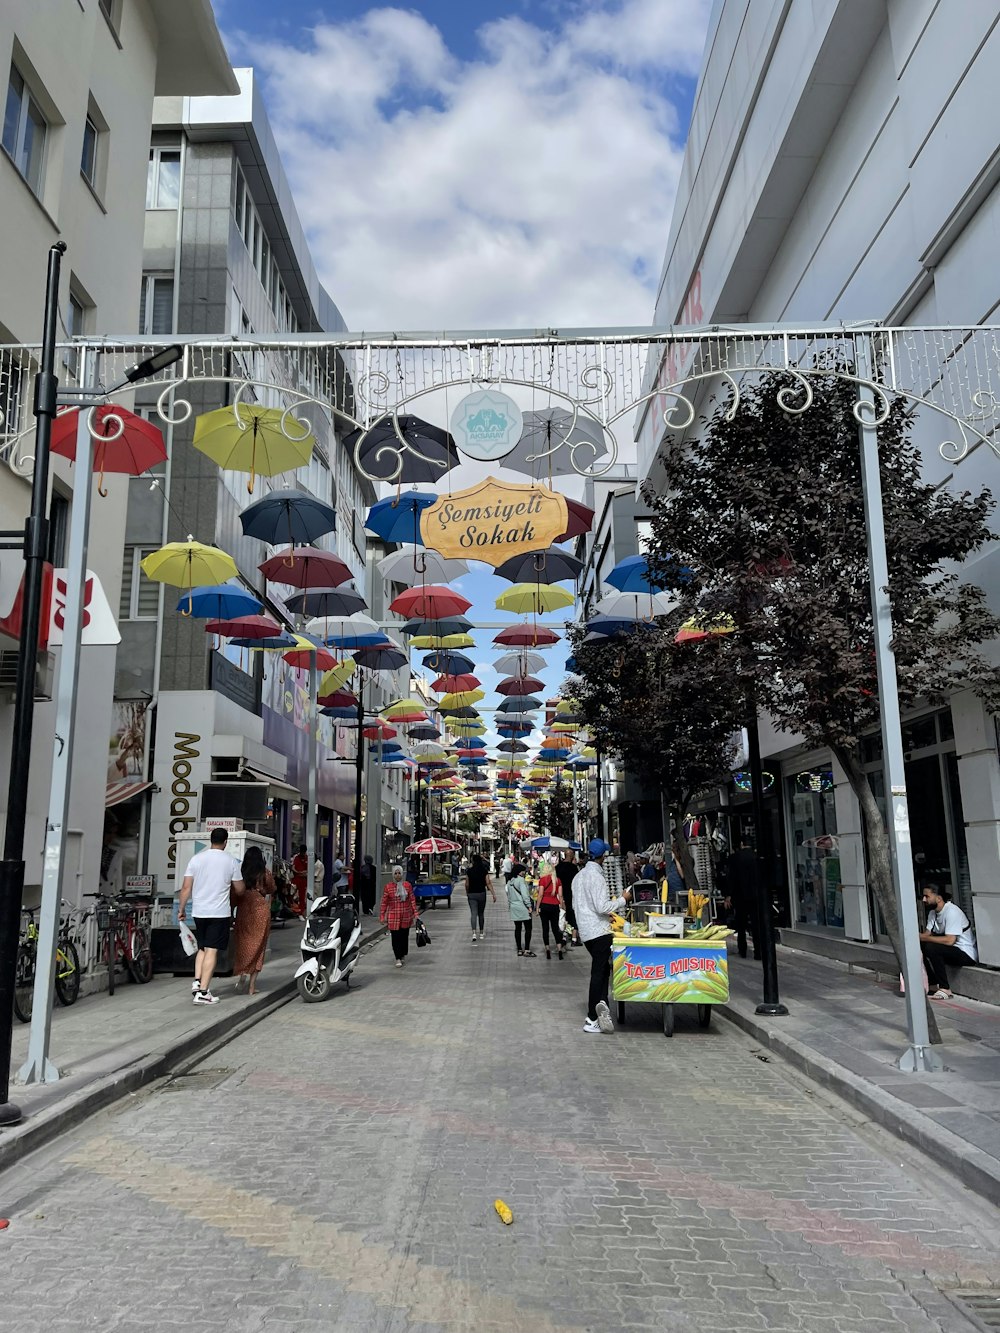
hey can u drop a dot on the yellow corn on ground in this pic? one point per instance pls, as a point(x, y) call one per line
point(503, 1212)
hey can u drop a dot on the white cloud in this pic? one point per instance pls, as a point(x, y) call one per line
point(531, 186)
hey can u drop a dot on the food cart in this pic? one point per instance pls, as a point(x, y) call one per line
point(652, 969)
point(436, 883)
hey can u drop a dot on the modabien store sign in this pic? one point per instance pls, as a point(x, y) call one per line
point(493, 521)
point(185, 724)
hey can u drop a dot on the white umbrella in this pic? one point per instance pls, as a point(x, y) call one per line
point(429, 750)
point(635, 605)
point(430, 567)
point(519, 664)
point(553, 429)
point(340, 626)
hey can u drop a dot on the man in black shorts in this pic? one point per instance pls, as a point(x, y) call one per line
point(566, 872)
point(208, 879)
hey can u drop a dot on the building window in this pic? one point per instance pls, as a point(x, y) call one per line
point(76, 326)
point(10, 397)
point(112, 11)
point(88, 158)
point(156, 305)
point(58, 528)
point(163, 179)
point(815, 849)
point(140, 599)
point(24, 130)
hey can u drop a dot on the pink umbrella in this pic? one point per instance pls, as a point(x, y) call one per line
point(306, 567)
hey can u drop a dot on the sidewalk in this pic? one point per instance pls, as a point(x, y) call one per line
point(108, 1046)
point(846, 1030)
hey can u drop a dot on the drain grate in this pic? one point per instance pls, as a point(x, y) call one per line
point(199, 1080)
point(982, 1307)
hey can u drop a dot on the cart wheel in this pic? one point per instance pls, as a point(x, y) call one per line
point(704, 1015)
point(621, 1011)
point(668, 1020)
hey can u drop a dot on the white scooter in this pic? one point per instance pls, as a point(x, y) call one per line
point(331, 945)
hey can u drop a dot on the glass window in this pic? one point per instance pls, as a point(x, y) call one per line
point(815, 849)
point(24, 129)
point(140, 597)
point(76, 319)
point(919, 734)
point(10, 396)
point(88, 158)
point(163, 179)
point(156, 306)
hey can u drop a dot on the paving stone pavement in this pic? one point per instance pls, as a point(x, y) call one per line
point(336, 1167)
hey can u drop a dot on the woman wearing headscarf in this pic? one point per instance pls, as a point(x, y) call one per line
point(253, 919)
point(398, 912)
point(521, 907)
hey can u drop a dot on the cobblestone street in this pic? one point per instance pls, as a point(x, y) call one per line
point(336, 1166)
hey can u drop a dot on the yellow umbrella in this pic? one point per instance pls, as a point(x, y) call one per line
point(534, 597)
point(462, 699)
point(337, 676)
point(405, 708)
point(247, 437)
point(442, 641)
point(190, 565)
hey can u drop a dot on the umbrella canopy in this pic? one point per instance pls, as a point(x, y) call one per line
point(520, 685)
point(433, 846)
point(306, 567)
point(546, 447)
point(326, 602)
point(579, 520)
point(353, 631)
point(446, 625)
point(337, 676)
point(448, 662)
point(423, 731)
point(307, 652)
point(534, 599)
point(339, 699)
point(279, 642)
point(519, 664)
point(512, 747)
point(553, 565)
point(549, 842)
point(520, 704)
point(124, 443)
point(462, 698)
point(448, 684)
point(247, 437)
point(692, 631)
point(342, 712)
point(420, 566)
point(404, 708)
point(381, 657)
point(429, 750)
point(244, 627)
point(635, 605)
point(397, 519)
point(432, 602)
point(403, 449)
point(188, 564)
point(526, 635)
point(288, 516)
point(607, 627)
point(219, 601)
point(632, 575)
point(443, 641)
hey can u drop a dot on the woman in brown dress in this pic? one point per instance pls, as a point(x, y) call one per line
point(253, 919)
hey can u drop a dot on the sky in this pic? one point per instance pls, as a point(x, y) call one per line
point(470, 164)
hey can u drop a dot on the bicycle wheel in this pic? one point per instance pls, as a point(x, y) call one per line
point(139, 959)
point(110, 957)
point(67, 973)
point(24, 983)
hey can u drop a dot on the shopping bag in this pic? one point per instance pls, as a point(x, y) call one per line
point(423, 935)
point(188, 942)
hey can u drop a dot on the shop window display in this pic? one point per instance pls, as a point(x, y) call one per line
point(815, 849)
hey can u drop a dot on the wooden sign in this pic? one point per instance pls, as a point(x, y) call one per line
point(494, 520)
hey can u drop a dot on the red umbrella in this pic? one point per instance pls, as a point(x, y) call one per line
point(303, 658)
point(431, 603)
point(578, 519)
point(245, 627)
point(306, 567)
point(525, 635)
point(339, 699)
point(520, 685)
point(379, 730)
point(455, 684)
point(432, 846)
point(124, 443)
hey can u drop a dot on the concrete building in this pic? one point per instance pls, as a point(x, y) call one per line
point(81, 76)
point(842, 165)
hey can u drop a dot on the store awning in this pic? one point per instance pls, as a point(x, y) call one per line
point(118, 792)
point(277, 785)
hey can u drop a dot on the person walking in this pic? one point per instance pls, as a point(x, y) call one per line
point(300, 880)
point(253, 920)
point(210, 879)
point(948, 939)
point(478, 881)
point(368, 887)
point(507, 867)
point(521, 907)
point(550, 904)
point(741, 884)
point(593, 918)
point(566, 872)
point(398, 912)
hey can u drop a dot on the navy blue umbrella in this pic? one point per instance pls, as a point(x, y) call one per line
point(447, 625)
point(380, 454)
point(381, 657)
point(291, 516)
point(448, 663)
point(553, 565)
point(520, 703)
point(326, 602)
point(398, 520)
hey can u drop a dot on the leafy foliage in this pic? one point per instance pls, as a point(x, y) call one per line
point(555, 811)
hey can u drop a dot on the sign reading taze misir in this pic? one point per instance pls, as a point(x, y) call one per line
point(494, 520)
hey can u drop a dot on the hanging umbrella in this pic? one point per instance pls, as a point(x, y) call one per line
point(337, 676)
point(448, 662)
point(608, 627)
point(632, 575)
point(429, 603)
point(124, 443)
point(288, 516)
point(342, 712)
point(388, 750)
point(546, 446)
point(446, 625)
point(534, 599)
point(381, 657)
point(553, 565)
point(306, 567)
point(404, 708)
point(339, 699)
point(517, 685)
point(448, 684)
point(279, 642)
point(442, 641)
point(247, 437)
point(512, 747)
point(519, 664)
point(188, 565)
point(244, 627)
point(403, 449)
point(308, 652)
point(398, 519)
point(526, 635)
point(696, 629)
point(420, 566)
point(423, 731)
point(520, 704)
point(635, 605)
point(462, 698)
point(353, 631)
point(326, 602)
point(433, 846)
point(579, 520)
point(219, 601)
point(429, 750)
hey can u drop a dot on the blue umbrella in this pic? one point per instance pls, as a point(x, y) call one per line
point(570, 664)
point(276, 641)
point(544, 843)
point(390, 749)
point(609, 626)
point(448, 663)
point(632, 575)
point(473, 760)
point(357, 640)
point(348, 714)
point(291, 516)
point(326, 602)
point(220, 601)
point(398, 520)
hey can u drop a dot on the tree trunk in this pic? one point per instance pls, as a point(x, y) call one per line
point(683, 850)
point(880, 863)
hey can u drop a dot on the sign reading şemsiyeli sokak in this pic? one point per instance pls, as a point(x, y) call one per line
point(494, 520)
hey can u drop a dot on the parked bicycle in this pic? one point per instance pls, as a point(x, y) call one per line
point(67, 975)
point(124, 933)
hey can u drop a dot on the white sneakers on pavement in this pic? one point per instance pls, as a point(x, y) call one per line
point(205, 997)
point(604, 1017)
point(591, 1025)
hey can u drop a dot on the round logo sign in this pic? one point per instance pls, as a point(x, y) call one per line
point(486, 424)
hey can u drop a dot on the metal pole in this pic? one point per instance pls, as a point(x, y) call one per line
point(378, 822)
point(36, 541)
point(359, 769)
point(771, 1004)
point(313, 814)
point(38, 1068)
point(919, 1055)
point(600, 793)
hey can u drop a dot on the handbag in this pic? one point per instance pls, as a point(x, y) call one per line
point(422, 934)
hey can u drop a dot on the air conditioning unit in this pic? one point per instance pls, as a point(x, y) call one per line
point(8, 675)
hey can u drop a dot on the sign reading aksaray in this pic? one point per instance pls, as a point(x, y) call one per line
point(494, 520)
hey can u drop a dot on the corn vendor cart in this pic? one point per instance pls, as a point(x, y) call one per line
point(436, 882)
point(670, 968)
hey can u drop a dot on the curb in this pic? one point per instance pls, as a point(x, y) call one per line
point(974, 1168)
point(19, 1140)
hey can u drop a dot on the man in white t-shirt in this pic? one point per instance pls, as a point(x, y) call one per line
point(208, 879)
point(507, 867)
point(947, 941)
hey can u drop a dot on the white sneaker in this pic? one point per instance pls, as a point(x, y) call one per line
point(399, 962)
point(604, 1017)
point(482, 934)
point(205, 997)
point(195, 987)
point(592, 1025)
point(473, 937)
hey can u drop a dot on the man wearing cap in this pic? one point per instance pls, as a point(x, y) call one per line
point(593, 907)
